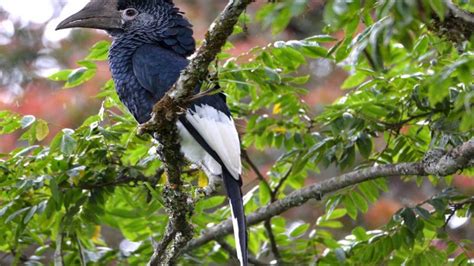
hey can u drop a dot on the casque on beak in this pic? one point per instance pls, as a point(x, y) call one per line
point(97, 14)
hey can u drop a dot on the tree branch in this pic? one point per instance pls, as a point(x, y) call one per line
point(123, 179)
point(233, 253)
point(457, 24)
point(455, 11)
point(433, 164)
point(271, 236)
point(268, 222)
point(254, 167)
point(162, 126)
point(280, 184)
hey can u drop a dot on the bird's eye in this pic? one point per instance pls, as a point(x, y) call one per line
point(129, 13)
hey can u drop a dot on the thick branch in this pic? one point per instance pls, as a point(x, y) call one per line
point(447, 164)
point(213, 42)
point(455, 11)
point(163, 126)
point(457, 25)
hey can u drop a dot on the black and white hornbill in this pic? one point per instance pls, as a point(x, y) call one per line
point(151, 42)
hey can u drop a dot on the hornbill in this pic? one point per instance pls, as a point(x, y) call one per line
point(151, 42)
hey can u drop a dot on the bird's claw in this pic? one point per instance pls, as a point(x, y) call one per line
point(207, 191)
point(142, 129)
point(211, 189)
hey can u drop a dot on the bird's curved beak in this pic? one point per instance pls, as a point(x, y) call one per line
point(97, 14)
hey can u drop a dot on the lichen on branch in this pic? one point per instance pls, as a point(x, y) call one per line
point(163, 126)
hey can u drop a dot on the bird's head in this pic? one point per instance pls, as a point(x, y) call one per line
point(141, 21)
point(124, 17)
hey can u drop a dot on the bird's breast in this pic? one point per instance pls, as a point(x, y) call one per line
point(137, 100)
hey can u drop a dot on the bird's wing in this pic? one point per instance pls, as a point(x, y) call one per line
point(179, 37)
point(157, 68)
point(211, 118)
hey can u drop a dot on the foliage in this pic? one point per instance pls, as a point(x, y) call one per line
point(408, 87)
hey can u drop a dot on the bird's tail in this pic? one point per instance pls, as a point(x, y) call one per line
point(238, 215)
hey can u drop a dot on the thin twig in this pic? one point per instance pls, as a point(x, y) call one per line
point(370, 60)
point(252, 165)
point(268, 222)
point(271, 236)
point(233, 253)
point(211, 91)
point(280, 184)
point(254, 168)
point(121, 180)
point(456, 207)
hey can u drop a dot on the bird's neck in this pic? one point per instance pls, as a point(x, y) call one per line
point(129, 90)
point(177, 37)
point(120, 58)
point(120, 61)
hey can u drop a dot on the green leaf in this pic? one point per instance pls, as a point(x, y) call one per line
point(321, 38)
point(79, 76)
point(350, 207)
point(369, 190)
point(16, 214)
point(87, 64)
point(364, 145)
point(99, 52)
point(421, 45)
point(438, 204)
point(359, 201)
point(330, 224)
point(42, 130)
point(210, 203)
point(264, 193)
point(154, 194)
point(360, 234)
point(5, 209)
point(354, 80)
point(299, 230)
point(438, 7)
point(423, 212)
point(27, 121)
point(60, 75)
point(336, 214)
point(25, 151)
point(300, 165)
point(281, 21)
point(409, 218)
point(461, 259)
point(30, 214)
point(55, 193)
point(68, 144)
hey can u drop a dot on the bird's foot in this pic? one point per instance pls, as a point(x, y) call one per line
point(207, 191)
point(212, 188)
point(159, 150)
